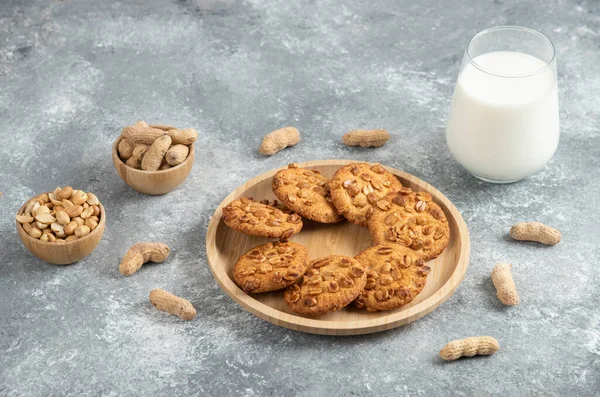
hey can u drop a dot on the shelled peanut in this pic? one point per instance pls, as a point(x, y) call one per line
point(152, 147)
point(65, 214)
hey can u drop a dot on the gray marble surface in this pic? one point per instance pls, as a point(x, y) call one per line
point(73, 73)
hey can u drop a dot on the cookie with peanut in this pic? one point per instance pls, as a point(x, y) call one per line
point(270, 267)
point(395, 276)
point(329, 284)
point(356, 187)
point(257, 219)
point(306, 192)
point(410, 219)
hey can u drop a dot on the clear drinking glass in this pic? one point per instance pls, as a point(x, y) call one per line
point(503, 122)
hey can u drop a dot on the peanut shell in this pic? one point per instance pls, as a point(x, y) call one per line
point(154, 156)
point(125, 149)
point(177, 154)
point(134, 162)
point(185, 137)
point(141, 132)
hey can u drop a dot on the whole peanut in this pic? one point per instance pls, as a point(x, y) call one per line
point(140, 150)
point(469, 347)
point(176, 154)
point(163, 127)
point(279, 140)
point(167, 302)
point(154, 156)
point(535, 231)
point(506, 289)
point(141, 253)
point(366, 138)
point(134, 162)
point(186, 136)
point(141, 132)
point(125, 149)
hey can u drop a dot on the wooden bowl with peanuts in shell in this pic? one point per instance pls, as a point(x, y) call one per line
point(154, 159)
point(63, 226)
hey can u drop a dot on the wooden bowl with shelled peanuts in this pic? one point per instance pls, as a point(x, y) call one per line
point(64, 252)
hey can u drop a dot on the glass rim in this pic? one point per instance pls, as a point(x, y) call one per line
point(510, 27)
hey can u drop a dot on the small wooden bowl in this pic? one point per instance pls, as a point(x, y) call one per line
point(63, 253)
point(153, 183)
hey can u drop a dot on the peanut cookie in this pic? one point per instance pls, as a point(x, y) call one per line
point(270, 266)
point(395, 276)
point(257, 219)
point(410, 219)
point(306, 192)
point(329, 284)
point(276, 204)
point(356, 187)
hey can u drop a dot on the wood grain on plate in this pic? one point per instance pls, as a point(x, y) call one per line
point(224, 246)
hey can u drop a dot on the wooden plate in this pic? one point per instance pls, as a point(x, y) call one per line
point(224, 246)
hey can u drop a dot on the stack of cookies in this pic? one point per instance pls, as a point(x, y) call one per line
point(408, 229)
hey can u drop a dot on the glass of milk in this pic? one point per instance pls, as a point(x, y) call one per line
point(503, 122)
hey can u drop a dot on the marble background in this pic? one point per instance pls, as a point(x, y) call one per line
point(73, 73)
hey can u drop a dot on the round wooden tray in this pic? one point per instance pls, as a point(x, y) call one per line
point(224, 246)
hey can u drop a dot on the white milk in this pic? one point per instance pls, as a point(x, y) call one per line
point(504, 128)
